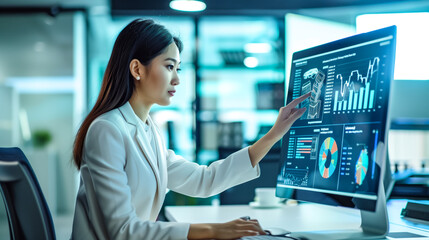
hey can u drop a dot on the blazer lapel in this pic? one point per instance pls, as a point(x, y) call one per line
point(142, 139)
point(162, 168)
point(159, 143)
point(145, 146)
point(160, 151)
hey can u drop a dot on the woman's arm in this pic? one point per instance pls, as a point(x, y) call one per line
point(287, 116)
point(192, 179)
point(229, 230)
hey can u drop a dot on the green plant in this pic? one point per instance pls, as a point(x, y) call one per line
point(41, 138)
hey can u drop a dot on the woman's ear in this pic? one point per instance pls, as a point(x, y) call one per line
point(136, 69)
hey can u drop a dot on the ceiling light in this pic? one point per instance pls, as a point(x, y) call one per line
point(251, 62)
point(188, 5)
point(257, 47)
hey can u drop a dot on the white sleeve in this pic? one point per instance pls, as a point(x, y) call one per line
point(106, 180)
point(195, 180)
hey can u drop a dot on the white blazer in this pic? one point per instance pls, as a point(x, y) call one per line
point(123, 181)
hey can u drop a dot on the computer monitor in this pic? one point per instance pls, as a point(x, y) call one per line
point(334, 154)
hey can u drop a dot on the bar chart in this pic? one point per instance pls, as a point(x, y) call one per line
point(303, 147)
point(357, 90)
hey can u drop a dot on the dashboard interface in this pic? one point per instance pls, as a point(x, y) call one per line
point(332, 147)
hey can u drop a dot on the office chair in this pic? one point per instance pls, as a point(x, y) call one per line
point(27, 211)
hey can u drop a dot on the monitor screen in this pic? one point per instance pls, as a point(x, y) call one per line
point(328, 155)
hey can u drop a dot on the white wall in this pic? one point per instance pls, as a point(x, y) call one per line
point(54, 112)
point(410, 99)
point(8, 115)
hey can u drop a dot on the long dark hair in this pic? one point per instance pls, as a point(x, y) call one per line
point(140, 39)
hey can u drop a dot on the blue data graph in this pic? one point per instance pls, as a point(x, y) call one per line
point(357, 88)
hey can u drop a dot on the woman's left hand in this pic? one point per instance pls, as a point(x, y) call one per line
point(287, 116)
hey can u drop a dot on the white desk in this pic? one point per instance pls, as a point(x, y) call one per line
point(298, 218)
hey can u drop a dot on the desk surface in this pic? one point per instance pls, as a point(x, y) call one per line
point(296, 218)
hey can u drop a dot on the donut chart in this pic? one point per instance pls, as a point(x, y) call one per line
point(328, 152)
point(361, 167)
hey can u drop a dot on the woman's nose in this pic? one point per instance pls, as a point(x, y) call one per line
point(176, 80)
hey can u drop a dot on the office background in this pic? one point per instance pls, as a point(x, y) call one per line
point(235, 69)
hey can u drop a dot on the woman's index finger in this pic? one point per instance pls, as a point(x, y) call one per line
point(298, 100)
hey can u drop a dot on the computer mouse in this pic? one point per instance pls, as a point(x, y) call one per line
point(277, 231)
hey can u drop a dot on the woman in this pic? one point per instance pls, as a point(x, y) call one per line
point(126, 168)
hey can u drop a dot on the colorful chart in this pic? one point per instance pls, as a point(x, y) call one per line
point(361, 166)
point(328, 152)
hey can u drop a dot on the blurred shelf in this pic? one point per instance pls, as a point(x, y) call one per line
point(233, 79)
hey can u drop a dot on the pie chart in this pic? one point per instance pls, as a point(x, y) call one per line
point(328, 157)
point(361, 166)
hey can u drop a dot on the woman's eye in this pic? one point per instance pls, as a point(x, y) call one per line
point(170, 67)
point(179, 70)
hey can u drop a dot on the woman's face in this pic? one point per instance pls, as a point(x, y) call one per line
point(160, 78)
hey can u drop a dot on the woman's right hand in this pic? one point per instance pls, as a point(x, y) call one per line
point(237, 228)
point(230, 230)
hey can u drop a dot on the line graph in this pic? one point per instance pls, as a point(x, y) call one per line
point(372, 68)
point(295, 177)
point(356, 91)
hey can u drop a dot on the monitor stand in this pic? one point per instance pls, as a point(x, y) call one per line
point(374, 225)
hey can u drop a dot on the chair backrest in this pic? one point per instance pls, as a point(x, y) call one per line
point(27, 211)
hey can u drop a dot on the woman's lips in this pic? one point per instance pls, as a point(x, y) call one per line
point(171, 93)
